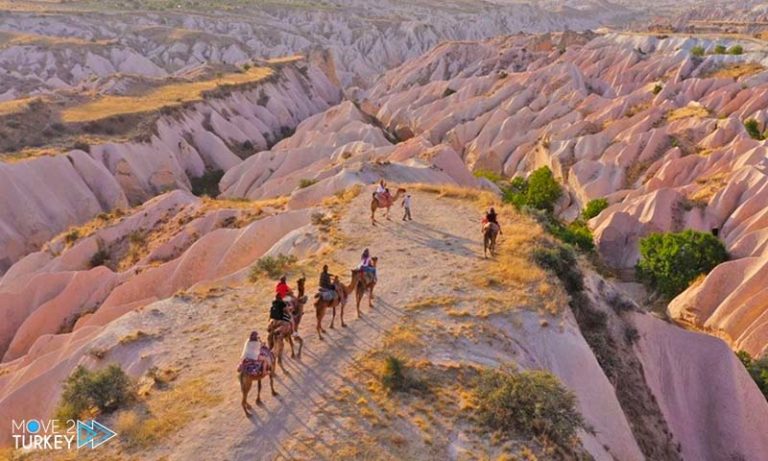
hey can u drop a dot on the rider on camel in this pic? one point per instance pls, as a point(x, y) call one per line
point(282, 289)
point(278, 312)
point(254, 353)
point(491, 217)
point(366, 264)
point(326, 282)
point(382, 191)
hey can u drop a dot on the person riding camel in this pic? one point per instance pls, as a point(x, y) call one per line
point(327, 286)
point(253, 356)
point(282, 289)
point(278, 312)
point(491, 217)
point(366, 264)
point(382, 191)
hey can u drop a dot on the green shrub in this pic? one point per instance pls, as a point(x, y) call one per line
point(720, 49)
point(562, 261)
point(697, 51)
point(516, 192)
point(753, 129)
point(576, 233)
point(85, 390)
point(100, 258)
point(657, 88)
point(489, 175)
point(304, 183)
point(543, 190)
point(207, 184)
point(273, 266)
point(594, 207)
point(533, 403)
point(736, 50)
point(670, 262)
point(758, 370)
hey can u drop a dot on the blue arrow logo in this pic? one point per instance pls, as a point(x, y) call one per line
point(92, 434)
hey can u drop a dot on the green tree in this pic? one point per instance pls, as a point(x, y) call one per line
point(669, 262)
point(594, 207)
point(543, 191)
point(698, 51)
point(736, 50)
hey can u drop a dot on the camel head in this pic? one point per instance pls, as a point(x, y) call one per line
point(300, 284)
point(375, 259)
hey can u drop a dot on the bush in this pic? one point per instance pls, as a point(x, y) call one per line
point(670, 262)
point(516, 192)
point(657, 88)
point(273, 266)
point(85, 390)
point(304, 183)
point(530, 402)
point(697, 51)
point(71, 236)
point(489, 175)
point(543, 190)
point(562, 261)
point(594, 207)
point(753, 129)
point(720, 49)
point(207, 184)
point(736, 50)
point(576, 233)
point(758, 370)
point(99, 258)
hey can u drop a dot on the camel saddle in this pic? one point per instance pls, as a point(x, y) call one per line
point(384, 199)
point(490, 226)
point(259, 366)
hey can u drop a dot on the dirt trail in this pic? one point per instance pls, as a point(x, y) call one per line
point(417, 259)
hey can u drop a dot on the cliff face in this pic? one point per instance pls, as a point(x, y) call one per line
point(42, 197)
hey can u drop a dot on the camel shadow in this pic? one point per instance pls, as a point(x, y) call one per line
point(436, 239)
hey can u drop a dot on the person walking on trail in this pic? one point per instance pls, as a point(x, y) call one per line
point(407, 208)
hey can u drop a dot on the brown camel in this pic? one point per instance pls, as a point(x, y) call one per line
point(283, 330)
point(321, 306)
point(365, 283)
point(246, 381)
point(490, 233)
point(384, 203)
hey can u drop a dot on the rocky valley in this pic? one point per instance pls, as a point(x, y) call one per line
point(163, 163)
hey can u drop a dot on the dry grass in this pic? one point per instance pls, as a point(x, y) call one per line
point(14, 106)
point(691, 110)
point(736, 71)
point(431, 302)
point(484, 198)
point(13, 38)
point(709, 186)
point(135, 336)
point(165, 96)
point(343, 197)
point(165, 413)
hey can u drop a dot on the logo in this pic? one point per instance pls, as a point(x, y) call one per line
point(37, 434)
point(92, 434)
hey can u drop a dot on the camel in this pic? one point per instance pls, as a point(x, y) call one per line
point(384, 203)
point(365, 283)
point(246, 381)
point(289, 330)
point(321, 306)
point(490, 232)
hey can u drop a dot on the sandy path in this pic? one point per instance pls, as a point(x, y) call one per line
point(417, 259)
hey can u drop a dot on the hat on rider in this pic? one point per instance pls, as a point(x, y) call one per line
point(254, 336)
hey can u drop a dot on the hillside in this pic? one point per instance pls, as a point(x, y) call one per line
point(446, 324)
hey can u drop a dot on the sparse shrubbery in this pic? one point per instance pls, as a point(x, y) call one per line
point(395, 376)
point(698, 51)
point(489, 175)
point(84, 391)
point(758, 370)
point(71, 236)
point(669, 262)
point(207, 184)
point(594, 207)
point(531, 402)
point(576, 233)
point(657, 88)
point(753, 129)
point(562, 261)
point(273, 266)
point(100, 258)
point(720, 49)
point(304, 183)
point(736, 50)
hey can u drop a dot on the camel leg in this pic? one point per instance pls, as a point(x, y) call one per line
point(258, 392)
point(245, 387)
point(272, 383)
point(370, 297)
point(341, 305)
point(301, 345)
point(387, 215)
point(320, 314)
point(290, 341)
point(280, 347)
point(359, 297)
point(333, 317)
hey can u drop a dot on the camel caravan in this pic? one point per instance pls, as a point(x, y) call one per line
point(260, 360)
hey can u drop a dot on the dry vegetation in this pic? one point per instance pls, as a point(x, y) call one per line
point(736, 71)
point(691, 110)
point(165, 96)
